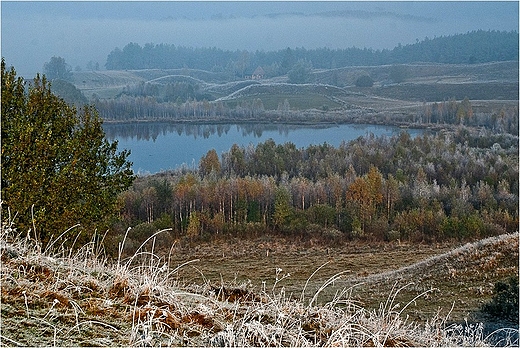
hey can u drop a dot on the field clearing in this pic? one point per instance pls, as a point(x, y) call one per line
point(445, 91)
point(332, 90)
point(296, 101)
point(464, 281)
point(377, 103)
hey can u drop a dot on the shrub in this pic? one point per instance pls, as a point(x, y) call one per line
point(141, 232)
point(504, 304)
point(332, 235)
point(392, 235)
point(364, 81)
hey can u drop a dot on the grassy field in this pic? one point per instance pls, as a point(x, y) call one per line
point(445, 91)
point(241, 294)
point(332, 89)
point(465, 287)
point(296, 101)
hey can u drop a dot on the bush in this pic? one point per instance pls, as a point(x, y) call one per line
point(138, 234)
point(141, 232)
point(504, 304)
point(392, 235)
point(364, 81)
point(332, 235)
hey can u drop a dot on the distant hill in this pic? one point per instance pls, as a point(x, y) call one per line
point(470, 48)
point(439, 77)
point(399, 92)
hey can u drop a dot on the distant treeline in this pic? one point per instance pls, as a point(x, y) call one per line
point(473, 47)
point(459, 185)
point(448, 112)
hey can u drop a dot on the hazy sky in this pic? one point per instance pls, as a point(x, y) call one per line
point(33, 32)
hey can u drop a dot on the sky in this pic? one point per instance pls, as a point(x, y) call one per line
point(83, 31)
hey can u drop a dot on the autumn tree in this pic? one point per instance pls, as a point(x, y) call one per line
point(193, 226)
point(282, 207)
point(391, 194)
point(235, 159)
point(57, 167)
point(209, 163)
point(357, 192)
point(366, 192)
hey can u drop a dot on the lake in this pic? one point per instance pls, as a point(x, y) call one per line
point(160, 146)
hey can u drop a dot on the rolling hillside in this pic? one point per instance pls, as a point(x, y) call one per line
point(332, 89)
point(74, 299)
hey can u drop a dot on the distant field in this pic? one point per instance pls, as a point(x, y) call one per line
point(105, 84)
point(333, 90)
point(445, 91)
point(424, 73)
point(296, 101)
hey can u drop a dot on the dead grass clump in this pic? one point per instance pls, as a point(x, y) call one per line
point(35, 271)
point(92, 285)
point(60, 299)
point(234, 294)
point(156, 315)
point(119, 288)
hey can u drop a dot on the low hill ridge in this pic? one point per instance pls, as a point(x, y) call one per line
point(479, 256)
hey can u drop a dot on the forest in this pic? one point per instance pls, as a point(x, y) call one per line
point(451, 185)
point(457, 182)
point(473, 47)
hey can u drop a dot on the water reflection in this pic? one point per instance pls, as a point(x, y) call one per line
point(151, 130)
point(159, 146)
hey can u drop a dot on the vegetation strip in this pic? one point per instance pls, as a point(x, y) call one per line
point(73, 299)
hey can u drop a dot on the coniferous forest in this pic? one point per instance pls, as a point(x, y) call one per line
point(473, 47)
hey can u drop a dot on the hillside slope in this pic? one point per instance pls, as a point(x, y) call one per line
point(75, 299)
point(460, 281)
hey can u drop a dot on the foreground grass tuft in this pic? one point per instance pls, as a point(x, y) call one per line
point(55, 297)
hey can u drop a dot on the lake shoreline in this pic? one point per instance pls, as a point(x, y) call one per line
point(161, 146)
point(219, 121)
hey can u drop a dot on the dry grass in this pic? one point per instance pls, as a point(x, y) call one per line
point(55, 297)
point(463, 275)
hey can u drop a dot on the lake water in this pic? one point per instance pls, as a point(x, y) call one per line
point(158, 146)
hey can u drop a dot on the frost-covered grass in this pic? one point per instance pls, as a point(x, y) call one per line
point(57, 297)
